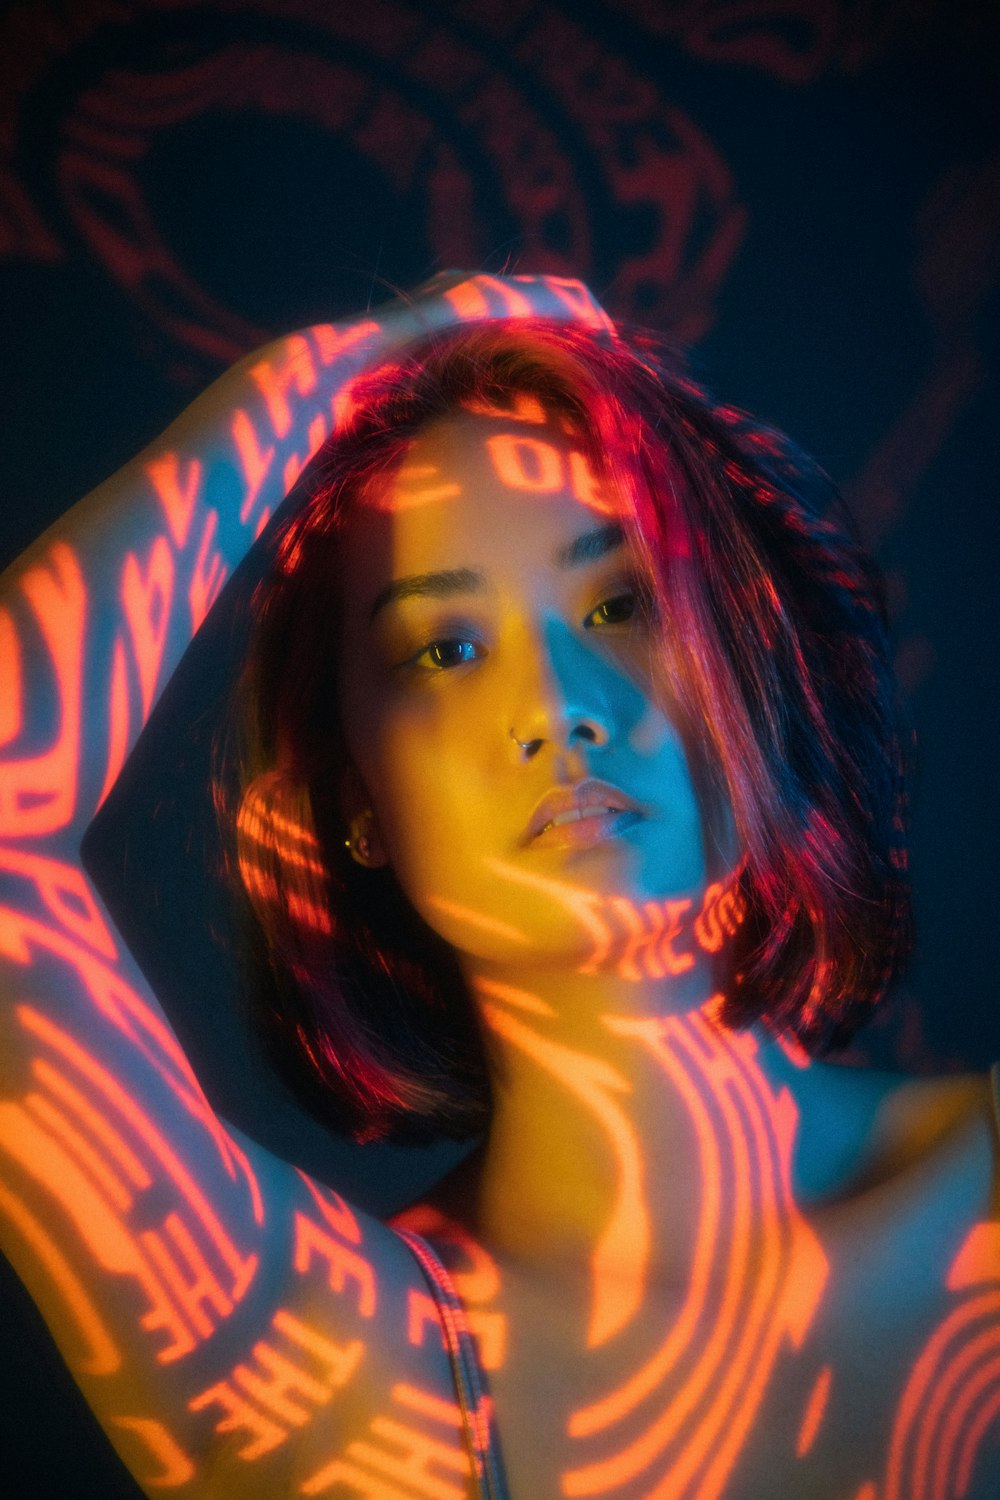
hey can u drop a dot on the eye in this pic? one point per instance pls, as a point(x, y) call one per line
point(440, 656)
point(620, 609)
point(616, 611)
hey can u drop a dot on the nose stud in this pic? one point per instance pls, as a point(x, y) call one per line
point(585, 731)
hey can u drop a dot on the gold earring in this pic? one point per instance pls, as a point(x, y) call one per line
point(360, 847)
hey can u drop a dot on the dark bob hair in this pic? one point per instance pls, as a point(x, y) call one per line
point(776, 649)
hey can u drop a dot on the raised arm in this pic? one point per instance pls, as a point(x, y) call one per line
point(210, 1300)
point(95, 616)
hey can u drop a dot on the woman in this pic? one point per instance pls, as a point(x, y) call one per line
point(571, 814)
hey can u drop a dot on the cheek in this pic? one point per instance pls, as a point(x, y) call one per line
point(450, 805)
point(448, 825)
point(700, 813)
point(444, 817)
point(434, 788)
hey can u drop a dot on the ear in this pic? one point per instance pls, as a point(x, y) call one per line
point(362, 836)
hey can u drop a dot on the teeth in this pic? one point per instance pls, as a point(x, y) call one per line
point(576, 813)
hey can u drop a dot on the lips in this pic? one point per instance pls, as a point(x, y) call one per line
point(569, 804)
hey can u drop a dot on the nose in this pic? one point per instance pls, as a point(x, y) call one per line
point(566, 703)
point(583, 730)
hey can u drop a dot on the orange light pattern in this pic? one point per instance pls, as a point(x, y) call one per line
point(476, 1403)
point(485, 296)
point(523, 462)
point(265, 834)
point(94, 1156)
point(217, 1305)
point(188, 1269)
point(415, 485)
point(175, 1467)
point(526, 463)
point(522, 407)
point(635, 939)
point(142, 1026)
point(38, 790)
point(813, 1414)
point(952, 1398)
point(519, 460)
point(147, 596)
point(93, 1349)
point(178, 491)
point(476, 1279)
point(746, 1296)
point(619, 1263)
point(341, 1263)
point(265, 1400)
point(398, 1458)
point(138, 1218)
point(10, 675)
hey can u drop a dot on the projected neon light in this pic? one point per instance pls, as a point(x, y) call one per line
point(236, 1324)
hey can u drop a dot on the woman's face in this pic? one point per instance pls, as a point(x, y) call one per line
point(489, 588)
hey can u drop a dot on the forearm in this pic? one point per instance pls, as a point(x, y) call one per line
point(168, 1258)
point(229, 1322)
point(134, 1218)
point(95, 616)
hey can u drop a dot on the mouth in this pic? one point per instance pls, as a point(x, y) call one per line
point(575, 816)
point(597, 825)
point(578, 815)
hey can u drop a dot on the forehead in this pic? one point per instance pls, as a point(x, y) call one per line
point(483, 484)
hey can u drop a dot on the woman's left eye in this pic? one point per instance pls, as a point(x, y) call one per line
point(618, 610)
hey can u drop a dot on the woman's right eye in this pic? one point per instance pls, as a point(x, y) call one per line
point(439, 656)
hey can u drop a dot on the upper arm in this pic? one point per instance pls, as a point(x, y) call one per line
point(234, 1325)
point(208, 1299)
point(215, 1307)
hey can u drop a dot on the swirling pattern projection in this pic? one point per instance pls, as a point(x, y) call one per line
point(695, 1396)
point(226, 1314)
point(209, 172)
point(473, 158)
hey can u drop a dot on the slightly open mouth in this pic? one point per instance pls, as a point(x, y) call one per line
point(575, 814)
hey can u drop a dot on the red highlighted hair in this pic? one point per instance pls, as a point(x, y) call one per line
point(774, 644)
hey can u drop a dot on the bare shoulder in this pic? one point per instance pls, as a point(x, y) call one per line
point(864, 1129)
point(934, 1233)
point(922, 1125)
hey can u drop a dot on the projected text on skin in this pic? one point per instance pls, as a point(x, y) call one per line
point(661, 1259)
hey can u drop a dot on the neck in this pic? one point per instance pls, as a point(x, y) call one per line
point(621, 1106)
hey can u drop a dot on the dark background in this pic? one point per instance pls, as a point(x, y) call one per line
point(808, 191)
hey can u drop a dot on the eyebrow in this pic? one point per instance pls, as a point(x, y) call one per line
point(592, 546)
point(588, 548)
